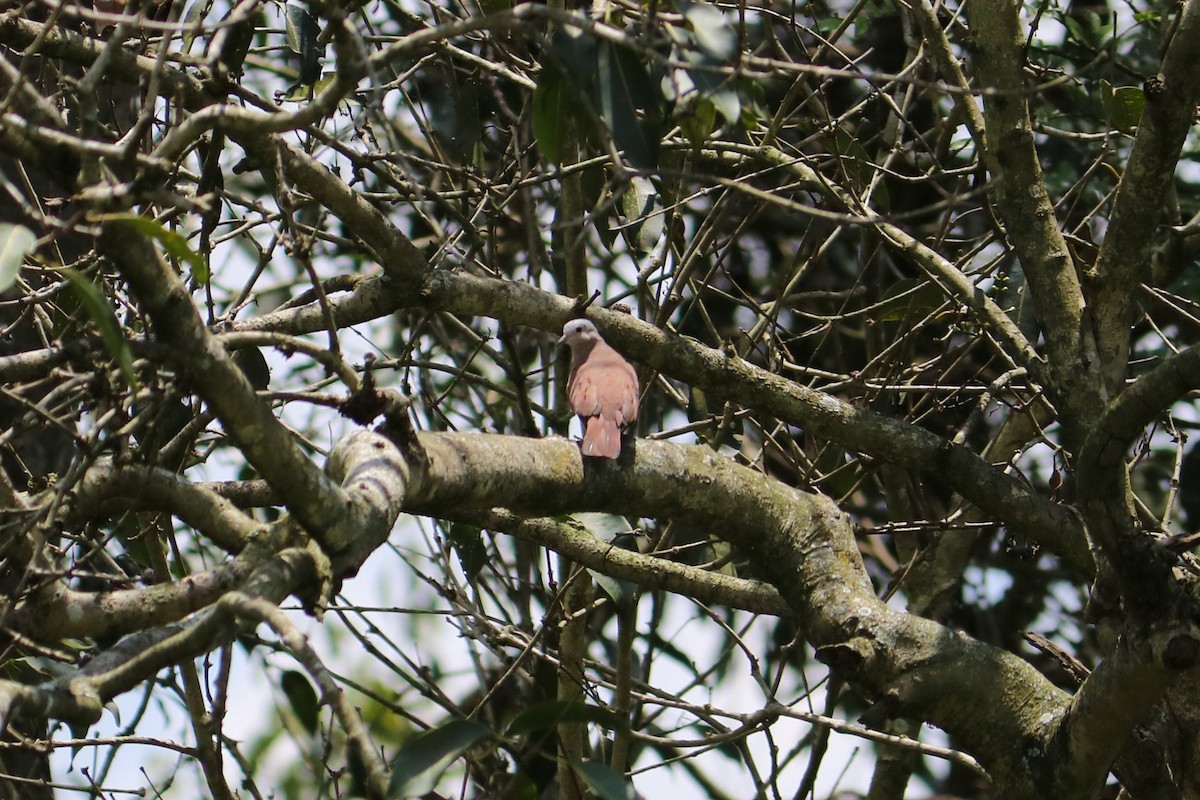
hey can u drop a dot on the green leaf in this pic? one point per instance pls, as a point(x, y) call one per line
point(302, 698)
point(470, 547)
point(1123, 105)
point(715, 36)
point(911, 299)
point(95, 304)
point(174, 242)
point(628, 104)
point(857, 164)
point(551, 99)
point(424, 757)
point(609, 528)
point(698, 120)
point(642, 207)
point(575, 53)
point(190, 20)
point(549, 714)
point(302, 32)
point(253, 364)
point(727, 103)
point(16, 242)
point(605, 782)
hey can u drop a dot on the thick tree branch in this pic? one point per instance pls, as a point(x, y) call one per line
point(1030, 223)
point(801, 542)
point(317, 503)
point(57, 612)
point(1145, 570)
point(372, 473)
point(805, 546)
point(1125, 260)
point(1003, 496)
point(1116, 696)
point(649, 572)
point(149, 488)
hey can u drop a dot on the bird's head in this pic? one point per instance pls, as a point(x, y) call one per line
point(579, 332)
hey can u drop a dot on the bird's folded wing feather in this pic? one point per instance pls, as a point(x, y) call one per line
point(605, 383)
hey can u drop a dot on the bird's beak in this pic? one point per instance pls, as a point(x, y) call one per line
point(562, 339)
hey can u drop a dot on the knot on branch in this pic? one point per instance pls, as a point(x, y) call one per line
point(1180, 650)
point(847, 657)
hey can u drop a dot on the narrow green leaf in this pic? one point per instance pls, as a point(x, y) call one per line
point(576, 55)
point(302, 698)
point(424, 757)
point(251, 361)
point(550, 111)
point(193, 13)
point(174, 242)
point(16, 242)
point(605, 782)
point(698, 119)
point(95, 304)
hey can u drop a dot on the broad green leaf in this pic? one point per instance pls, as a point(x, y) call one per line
point(16, 242)
point(605, 782)
point(609, 528)
point(642, 207)
point(552, 713)
point(713, 33)
point(628, 104)
point(1123, 105)
point(912, 299)
point(424, 757)
point(727, 103)
point(698, 120)
point(302, 33)
point(95, 304)
point(174, 242)
point(302, 698)
point(455, 117)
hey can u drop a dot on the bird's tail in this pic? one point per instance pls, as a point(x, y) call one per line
point(602, 438)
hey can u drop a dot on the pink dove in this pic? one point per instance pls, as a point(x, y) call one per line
point(602, 389)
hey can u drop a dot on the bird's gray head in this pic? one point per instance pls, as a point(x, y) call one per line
point(578, 332)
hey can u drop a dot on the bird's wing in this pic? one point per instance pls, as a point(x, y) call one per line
point(605, 384)
point(581, 391)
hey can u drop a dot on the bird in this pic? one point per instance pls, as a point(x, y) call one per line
point(602, 389)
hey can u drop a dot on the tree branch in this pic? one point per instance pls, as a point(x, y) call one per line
point(802, 543)
point(1028, 213)
point(317, 503)
point(1125, 260)
point(150, 488)
point(1003, 496)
